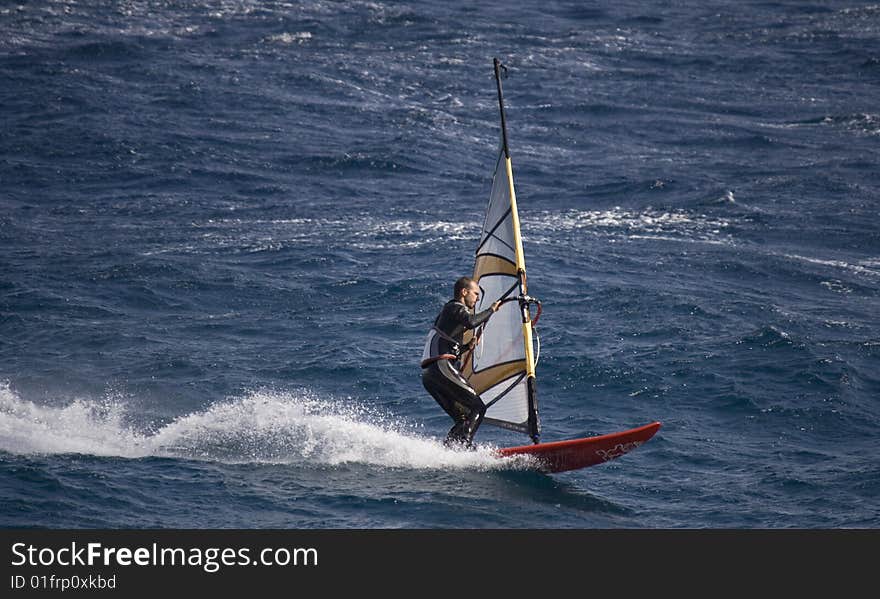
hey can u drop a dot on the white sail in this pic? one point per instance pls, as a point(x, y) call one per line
point(502, 367)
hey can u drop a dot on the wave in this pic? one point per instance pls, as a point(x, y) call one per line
point(262, 427)
point(861, 123)
point(368, 232)
point(866, 267)
point(241, 236)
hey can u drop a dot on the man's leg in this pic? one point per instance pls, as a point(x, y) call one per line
point(472, 424)
point(437, 386)
point(457, 398)
point(469, 405)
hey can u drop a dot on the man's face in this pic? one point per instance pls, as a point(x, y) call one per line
point(471, 296)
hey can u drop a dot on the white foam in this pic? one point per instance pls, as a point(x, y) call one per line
point(299, 37)
point(675, 225)
point(262, 427)
point(87, 427)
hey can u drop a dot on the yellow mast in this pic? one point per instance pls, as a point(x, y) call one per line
point(533, 425)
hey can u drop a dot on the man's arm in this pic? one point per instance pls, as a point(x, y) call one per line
point(472, 321)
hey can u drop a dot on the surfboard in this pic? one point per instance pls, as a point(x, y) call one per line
point(573, 454)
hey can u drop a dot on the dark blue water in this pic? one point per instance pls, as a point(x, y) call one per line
point(225, 228)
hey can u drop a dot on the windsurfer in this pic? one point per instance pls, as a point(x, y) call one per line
point(441, 365)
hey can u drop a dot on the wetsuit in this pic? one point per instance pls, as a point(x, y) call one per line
point(441, 370)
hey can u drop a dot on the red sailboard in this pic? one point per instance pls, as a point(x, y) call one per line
point(558, 456)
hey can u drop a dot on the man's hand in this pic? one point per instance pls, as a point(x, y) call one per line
point(496, 305)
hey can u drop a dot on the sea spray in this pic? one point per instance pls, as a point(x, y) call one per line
point(264, 426)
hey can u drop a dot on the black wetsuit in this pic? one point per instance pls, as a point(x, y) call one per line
point(441, 370)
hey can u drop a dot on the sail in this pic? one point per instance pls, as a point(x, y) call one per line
point(502, 366)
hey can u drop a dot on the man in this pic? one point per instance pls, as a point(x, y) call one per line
point(441, 366)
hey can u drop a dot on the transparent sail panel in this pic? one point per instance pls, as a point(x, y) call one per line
point(502, 339)
point(512, 408)
point(498, 234)
point(497, 368)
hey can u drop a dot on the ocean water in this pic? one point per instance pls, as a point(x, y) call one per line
point(226, 226)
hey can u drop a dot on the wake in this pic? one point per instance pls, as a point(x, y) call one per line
point(262, 427)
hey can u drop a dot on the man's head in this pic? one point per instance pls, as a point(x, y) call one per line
point(467, 291)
